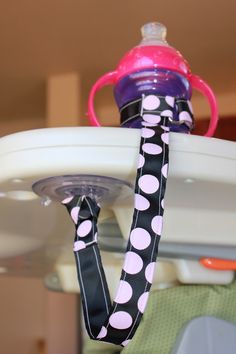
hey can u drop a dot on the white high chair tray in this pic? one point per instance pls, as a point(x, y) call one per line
point(200, 198)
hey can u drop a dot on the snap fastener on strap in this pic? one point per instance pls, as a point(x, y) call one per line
point(117, 322)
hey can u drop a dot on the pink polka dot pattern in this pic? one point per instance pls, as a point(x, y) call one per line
point(140, 238)
point(84, 228)
point(142, 301)
point(147, 132)
point(79, 245)
point(133, 263)
point(151, 102)
point(163, 204)
point(185, 116)
point(165, 128)
point(75, 214)
point(164, 170)
point(157, 224)
point(141, 203)
point(151, 118)
point(124, 292)
point(152, 149)
point(146, 124)
point(120, 320)
point(148, 184)
point(141, 161)
point(67, 200)
point(149, 272)
point(102, 333)
point(167, 113)
point(170, 101)
point(165, 138)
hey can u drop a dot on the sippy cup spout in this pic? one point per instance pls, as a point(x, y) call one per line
point(153, 33)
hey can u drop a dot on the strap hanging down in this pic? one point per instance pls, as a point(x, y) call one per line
point(117, 322)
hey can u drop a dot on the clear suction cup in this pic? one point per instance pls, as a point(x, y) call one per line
point(105, 190)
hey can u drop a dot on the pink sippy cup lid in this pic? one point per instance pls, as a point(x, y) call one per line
point(152, 52)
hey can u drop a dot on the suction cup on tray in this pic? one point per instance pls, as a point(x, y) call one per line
point(105, 190)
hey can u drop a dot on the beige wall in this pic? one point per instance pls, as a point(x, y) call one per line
point(9, 126)
point(22, 315)
point(62, 327)
point(29, 313)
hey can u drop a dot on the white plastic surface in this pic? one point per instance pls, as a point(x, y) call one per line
point(187, 270)
point(164, 277)
point(200, 197)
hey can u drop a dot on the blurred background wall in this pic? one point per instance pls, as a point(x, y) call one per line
point(51, 54)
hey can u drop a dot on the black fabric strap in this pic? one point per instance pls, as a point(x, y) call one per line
point(131, 111)
point(117, 322)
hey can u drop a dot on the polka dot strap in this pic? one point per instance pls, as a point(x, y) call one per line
point(178, 111)
point(116, 323)
point(96, 302)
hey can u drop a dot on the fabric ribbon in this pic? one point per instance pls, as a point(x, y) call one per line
point(117, 322)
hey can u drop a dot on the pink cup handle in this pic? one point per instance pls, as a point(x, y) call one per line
point(202, 87)
point(107, 79)
point(196, 82)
